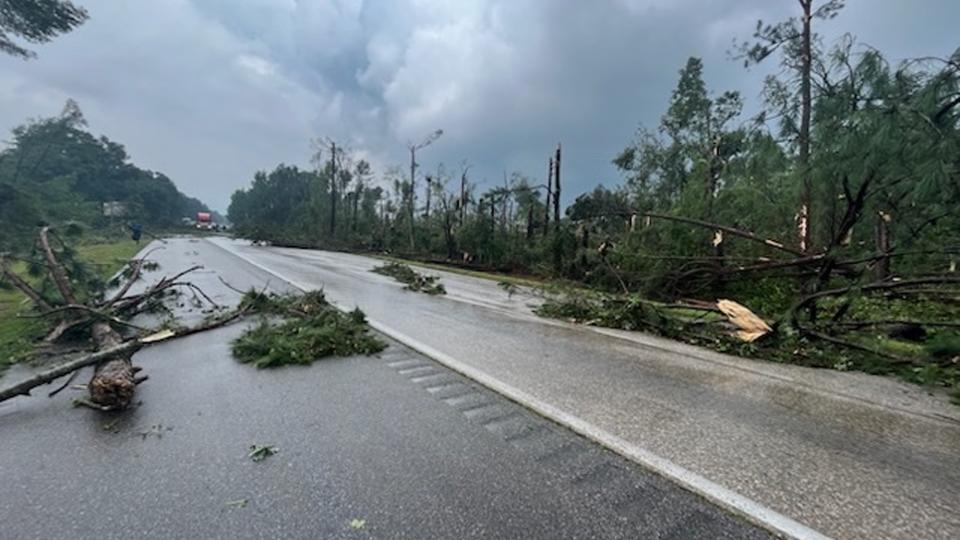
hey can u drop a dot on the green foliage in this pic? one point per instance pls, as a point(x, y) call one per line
point(36, 21)
point(55, 171)
point(309, 329)
point(413, 280)
point(260, 452)
point(889, 132)
point(944, 346)
point(508, 287)
point(626, 312)
point(97, 258)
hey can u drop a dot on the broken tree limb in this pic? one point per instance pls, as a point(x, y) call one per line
point(86, 309)
point(125, 349)
point(64, 385)
point(23, 286)
point(892, 322)
point(135, 268)
point(897, 360)
point(57, 272)
point(729, 230)
point(751, 327)
point(165, 283)
point(877, 286)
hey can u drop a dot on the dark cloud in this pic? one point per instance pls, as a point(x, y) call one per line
point(209, 91)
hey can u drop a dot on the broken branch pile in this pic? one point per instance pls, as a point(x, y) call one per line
point(78, 314)
point(309, 328)
point(414, 280)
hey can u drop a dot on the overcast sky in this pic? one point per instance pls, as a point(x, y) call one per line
point(209, 91)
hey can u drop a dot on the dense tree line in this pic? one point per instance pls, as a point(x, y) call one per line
point(55, 171)
point(853, 159)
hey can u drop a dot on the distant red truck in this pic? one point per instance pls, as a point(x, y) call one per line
point(204, 220)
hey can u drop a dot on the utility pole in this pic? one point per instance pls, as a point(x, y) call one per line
point(413, 179)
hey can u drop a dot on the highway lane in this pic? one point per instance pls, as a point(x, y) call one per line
point(397, 442)
point(879, 461)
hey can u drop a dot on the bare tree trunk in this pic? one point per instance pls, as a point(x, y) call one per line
point(429, 182)
point(23, 388)
point(57, 272)
point(23, 286)
point(356, 207)
point(113, 383)
point(883, 246)
point(806, 105)
point(529, 222)
point(463, 196)
point(333, 189)
point(546, 201)
point(556, 190)
point(413, 194)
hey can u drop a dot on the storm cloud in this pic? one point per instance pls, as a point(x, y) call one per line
point(209, 91)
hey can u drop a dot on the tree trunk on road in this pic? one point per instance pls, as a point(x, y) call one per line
point(113, 383)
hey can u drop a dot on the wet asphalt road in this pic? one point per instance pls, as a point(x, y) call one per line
point(850, 455)
point(398, 441)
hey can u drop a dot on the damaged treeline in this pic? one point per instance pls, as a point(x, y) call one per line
point(848, 250)
point(832, 215)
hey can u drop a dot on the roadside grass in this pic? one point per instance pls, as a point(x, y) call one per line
point(19, 335)
point(107, 258)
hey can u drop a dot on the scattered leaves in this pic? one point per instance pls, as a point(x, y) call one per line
point(156, 429)
point(509, 288)
point(260, 452)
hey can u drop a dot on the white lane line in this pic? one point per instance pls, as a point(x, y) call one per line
point(719, 495)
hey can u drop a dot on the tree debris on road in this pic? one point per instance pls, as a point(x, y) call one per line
point(85, 315)
point(414, 280)
point(309, 328)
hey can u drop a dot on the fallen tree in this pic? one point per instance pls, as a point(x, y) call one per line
point(108, 391)
point(79, 315)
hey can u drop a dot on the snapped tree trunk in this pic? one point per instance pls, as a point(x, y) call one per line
point(556, 190)
point(546, 200)
point(803, 141)
point(113, 383)
point(333, 189)
point(882, 268)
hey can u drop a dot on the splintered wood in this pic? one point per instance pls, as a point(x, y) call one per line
point(751, 327)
